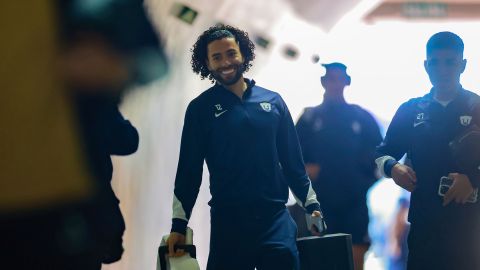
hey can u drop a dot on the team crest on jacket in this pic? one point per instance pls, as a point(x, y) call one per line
point(356, 127)
point(465, 120)
point(318, 124)
point(266, 106)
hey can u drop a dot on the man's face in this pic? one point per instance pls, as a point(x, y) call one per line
point(444, 67)
point(335, 80)
point(225, 61)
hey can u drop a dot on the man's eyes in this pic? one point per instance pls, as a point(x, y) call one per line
point(449, 63)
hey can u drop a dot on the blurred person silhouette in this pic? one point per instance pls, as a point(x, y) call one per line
point(58, 210)
point(44, 181)
point(247, 137)
point(435, 131)
point(106, 48)
point(397, 248)
point(338, 143)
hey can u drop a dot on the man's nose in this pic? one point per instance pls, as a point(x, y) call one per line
point(225, 63)
point(443, 69)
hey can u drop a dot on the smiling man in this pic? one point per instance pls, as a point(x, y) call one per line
point(444, 233)
point(247, 137)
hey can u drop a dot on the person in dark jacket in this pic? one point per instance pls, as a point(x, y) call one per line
point(444, 232)
point(246, 135)
point(105, 133)
point(338, 144)
point(58, 210)
point(103, 50)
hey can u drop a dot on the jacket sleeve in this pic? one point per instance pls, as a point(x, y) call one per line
point(305, 137)
point(397, 140)
point(474, 173)
point(123, 137)
point(291, 160)
point(189, 170)
point(371, 138)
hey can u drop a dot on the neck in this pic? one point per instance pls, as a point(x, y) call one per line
point(238, 88)
point(334, 98)
point(446, 93)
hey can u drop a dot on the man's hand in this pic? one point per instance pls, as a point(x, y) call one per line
point(175, 239)
point(404, 176)
point(460, 190)
point(314, 230)
point(312, 170)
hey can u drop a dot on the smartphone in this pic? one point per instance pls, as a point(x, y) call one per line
point(446, 183)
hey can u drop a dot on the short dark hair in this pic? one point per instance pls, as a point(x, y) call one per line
point(445, 40)
point(217, 32)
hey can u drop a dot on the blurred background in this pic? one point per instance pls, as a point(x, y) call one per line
point(381, 41)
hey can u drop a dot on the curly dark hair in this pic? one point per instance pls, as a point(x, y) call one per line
point(217, 32)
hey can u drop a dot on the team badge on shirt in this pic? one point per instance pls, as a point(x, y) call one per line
point(266, 106)
point(356, 127)
point(318, 124)
point(465, 120)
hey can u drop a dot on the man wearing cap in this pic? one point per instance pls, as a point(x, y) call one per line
point(338, 142)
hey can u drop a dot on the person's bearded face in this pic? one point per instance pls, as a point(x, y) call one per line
point(225, 61)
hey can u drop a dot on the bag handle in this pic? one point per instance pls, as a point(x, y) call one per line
point(163, 251)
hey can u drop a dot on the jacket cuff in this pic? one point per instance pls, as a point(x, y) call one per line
point(474, 177)
point(388, 166)
point(313, 207)
point(179, 226)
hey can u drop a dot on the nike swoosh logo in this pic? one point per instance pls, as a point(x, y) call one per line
point(220, 113)
point(419, 123)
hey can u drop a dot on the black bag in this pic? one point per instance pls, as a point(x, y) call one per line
point(329, 252)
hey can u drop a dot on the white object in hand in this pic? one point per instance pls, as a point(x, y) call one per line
point(317, 221)
point(185, 262)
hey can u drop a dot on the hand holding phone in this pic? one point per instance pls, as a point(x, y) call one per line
point(446, 183)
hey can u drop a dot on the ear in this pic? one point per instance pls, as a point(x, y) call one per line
point(464, 65)
point(349, 80)
point(425, 65)
point(322, 80)
point(207, 63)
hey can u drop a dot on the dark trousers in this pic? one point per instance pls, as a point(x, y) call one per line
point(449, 245)
point(253, 239)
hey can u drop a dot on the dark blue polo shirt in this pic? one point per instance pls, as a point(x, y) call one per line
point(341, 138)
point(251, 149)
point(423, 128)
